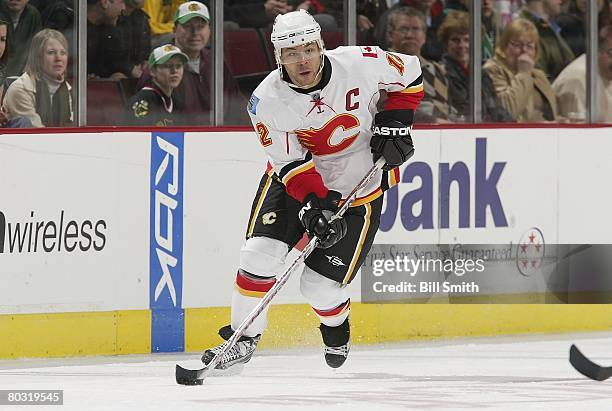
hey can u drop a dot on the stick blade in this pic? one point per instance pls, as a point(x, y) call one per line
point(188, 377)
point(587, 367)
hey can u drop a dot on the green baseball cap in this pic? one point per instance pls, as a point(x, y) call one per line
point(189, 10)
point(164, 53)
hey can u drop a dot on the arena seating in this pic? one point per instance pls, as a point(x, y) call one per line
point(248, 53)
point(105, 103)
point(247, 58)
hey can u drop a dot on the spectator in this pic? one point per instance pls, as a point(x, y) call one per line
point(42, 93)
point(4, 120)
point(553, 52)
point(432, 49)
point(107, 53)
point(136, 33)
point(433, 10)
point(161, 19)
point(153, 105)
point(522, 89)
point(490, 23)
point(26, 23)
point(454, 35)
point(570, 85)
point(406, 28)
point(573, 23)
point(193, 95)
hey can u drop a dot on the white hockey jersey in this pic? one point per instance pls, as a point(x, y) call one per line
point(327, 132)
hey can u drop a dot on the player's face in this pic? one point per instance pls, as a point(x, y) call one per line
point(55, 59)
point(169, 75)
point(302, 63)
point(192, 36)
point(408, 35)
point(458, 48)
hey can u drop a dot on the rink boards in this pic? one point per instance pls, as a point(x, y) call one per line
point(127, 242)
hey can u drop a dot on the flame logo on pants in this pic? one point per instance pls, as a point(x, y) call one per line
point(334, 136)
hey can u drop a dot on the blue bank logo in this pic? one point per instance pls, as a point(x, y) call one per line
point(416, 208)
point(166, 242)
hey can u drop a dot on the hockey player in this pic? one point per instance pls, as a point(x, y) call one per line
point(317, 121)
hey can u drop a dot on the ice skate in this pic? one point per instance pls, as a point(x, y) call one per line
point(337, 342)
point(240, 353)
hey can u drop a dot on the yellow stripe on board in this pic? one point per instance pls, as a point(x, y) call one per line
point(290, 325)
point(75, 334)
point(296, 325)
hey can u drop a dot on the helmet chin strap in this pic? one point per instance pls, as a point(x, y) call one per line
point(316, 79)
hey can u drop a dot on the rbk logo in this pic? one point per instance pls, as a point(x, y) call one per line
point(166, 203)
point(336, 135)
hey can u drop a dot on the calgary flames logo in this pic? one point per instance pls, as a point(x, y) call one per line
point(336, 135)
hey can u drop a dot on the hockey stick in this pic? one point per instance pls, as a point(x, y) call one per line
point(587, 367)
point(196, 377)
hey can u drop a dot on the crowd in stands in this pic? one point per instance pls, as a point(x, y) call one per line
point(153, 57)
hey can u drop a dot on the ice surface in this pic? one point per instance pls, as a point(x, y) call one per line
point(508, 373)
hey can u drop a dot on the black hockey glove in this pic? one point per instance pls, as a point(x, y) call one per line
point(392, 141)
point(315, 215)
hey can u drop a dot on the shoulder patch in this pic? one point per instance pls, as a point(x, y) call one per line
point(252, 106)
point(369, 51)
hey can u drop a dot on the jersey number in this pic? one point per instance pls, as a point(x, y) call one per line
point(262, 130)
